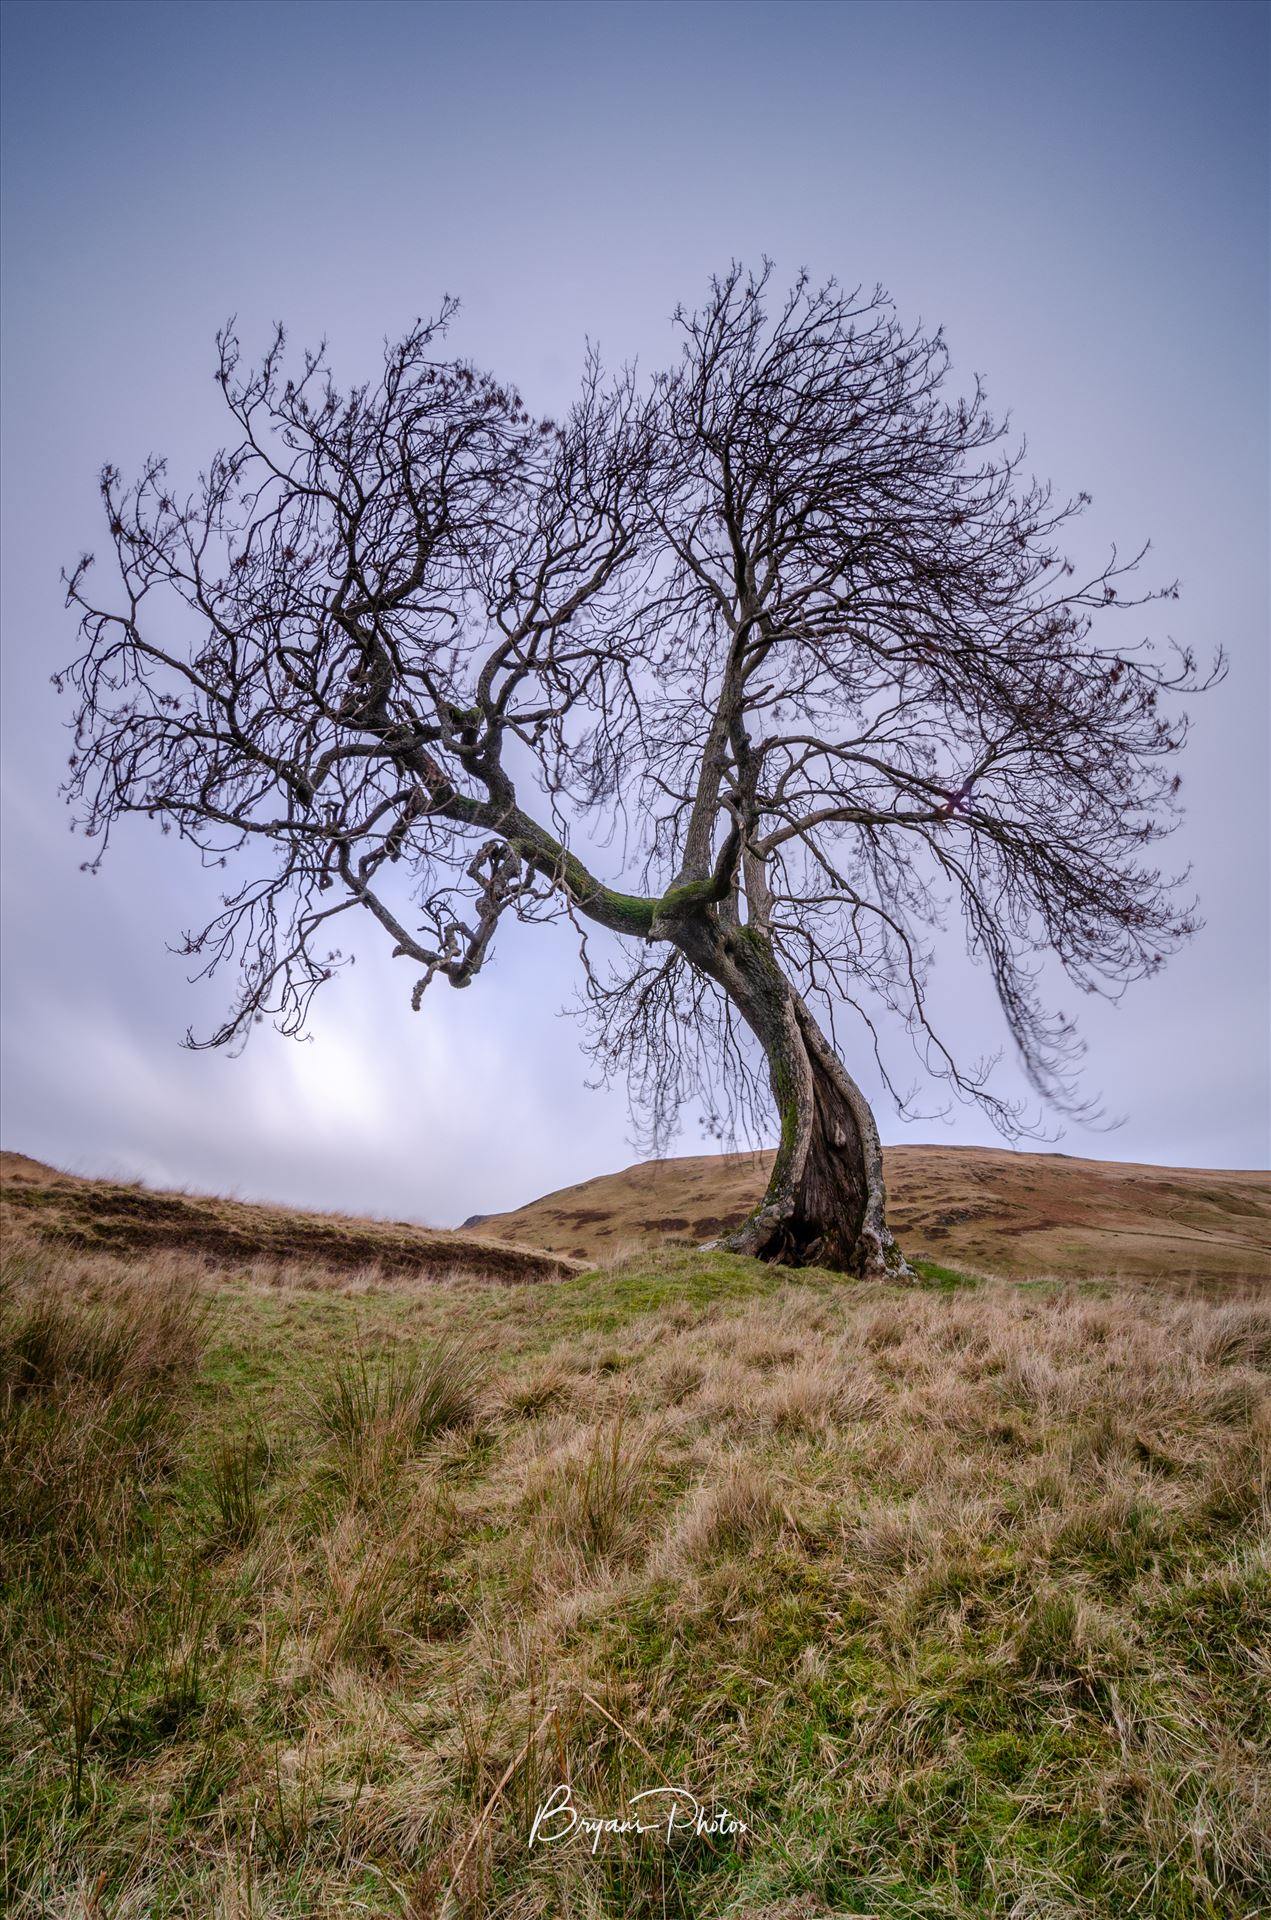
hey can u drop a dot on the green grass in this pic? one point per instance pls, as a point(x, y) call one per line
point(932, 1274)
point(313, 1589)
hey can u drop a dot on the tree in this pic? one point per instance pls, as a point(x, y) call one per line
point(788, 622)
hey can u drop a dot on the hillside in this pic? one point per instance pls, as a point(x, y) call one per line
point(104, 1216)
point(984, 1209)
point(987, 1208)
point(318, 1583)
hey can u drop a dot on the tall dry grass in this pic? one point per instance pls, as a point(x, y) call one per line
point(379, 1413)
point(961, 1597)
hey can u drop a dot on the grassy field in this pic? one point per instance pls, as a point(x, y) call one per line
point(317, 1582)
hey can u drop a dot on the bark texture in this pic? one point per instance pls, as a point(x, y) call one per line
point(826, 1199)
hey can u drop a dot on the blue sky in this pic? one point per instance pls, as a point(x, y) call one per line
point(1078, 193)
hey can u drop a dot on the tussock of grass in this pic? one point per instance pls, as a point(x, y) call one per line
point(726, 1516)
point(314, 1587)
point(597, 1495)
point(379, 1414)
point(237, 1467)
point(57, 1337)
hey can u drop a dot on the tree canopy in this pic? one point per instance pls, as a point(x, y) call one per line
point(763, 665)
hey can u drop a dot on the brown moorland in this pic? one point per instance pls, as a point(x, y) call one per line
point(986, 1208)
point(103, 1216)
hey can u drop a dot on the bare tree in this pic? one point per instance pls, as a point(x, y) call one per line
point(789, 625)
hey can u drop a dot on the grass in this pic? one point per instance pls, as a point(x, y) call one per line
point(380, 1416)
point(316, 1585)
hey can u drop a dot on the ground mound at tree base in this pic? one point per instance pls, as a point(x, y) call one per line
point(987, 1208)
point(102, 1216)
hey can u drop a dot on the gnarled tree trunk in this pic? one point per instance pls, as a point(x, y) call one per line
point(826, 1199)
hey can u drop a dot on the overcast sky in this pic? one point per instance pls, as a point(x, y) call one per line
point(1078, 193)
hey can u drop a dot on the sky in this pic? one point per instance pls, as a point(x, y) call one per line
point(1078, 193)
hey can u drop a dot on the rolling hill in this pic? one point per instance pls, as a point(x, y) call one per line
point(984, 1209)
point(988, 1208)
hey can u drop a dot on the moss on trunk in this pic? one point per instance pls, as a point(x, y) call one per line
point(826, 1201)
